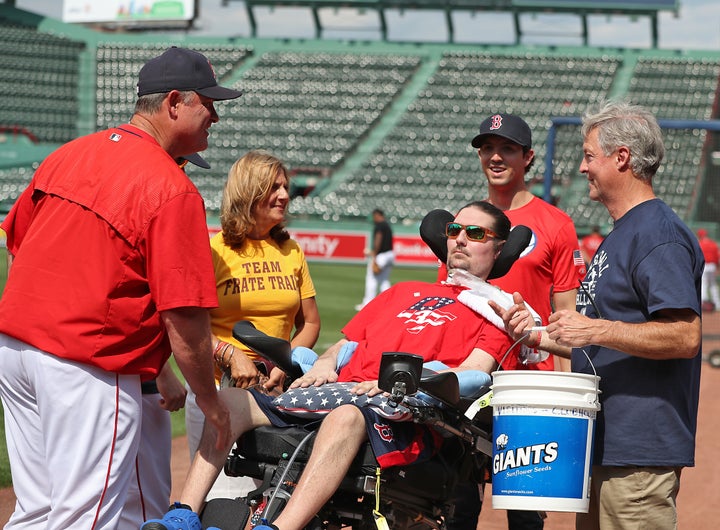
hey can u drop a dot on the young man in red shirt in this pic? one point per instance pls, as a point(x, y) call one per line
point(547, 273)
point(590, 243)
point(709, 289)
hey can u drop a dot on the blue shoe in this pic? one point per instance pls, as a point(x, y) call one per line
point(175, 519)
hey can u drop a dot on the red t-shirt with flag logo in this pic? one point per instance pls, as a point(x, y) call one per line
point(109, 232)
point(424, 319)
point(551, 263)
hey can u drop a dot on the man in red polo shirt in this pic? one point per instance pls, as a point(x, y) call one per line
point(111, 271)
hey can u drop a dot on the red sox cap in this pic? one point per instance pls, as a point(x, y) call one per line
point(507, 126)
point(182, 69)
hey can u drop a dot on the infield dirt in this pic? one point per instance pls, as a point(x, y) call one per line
point(697, 501)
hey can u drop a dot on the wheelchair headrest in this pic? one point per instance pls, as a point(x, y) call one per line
point(432, 232)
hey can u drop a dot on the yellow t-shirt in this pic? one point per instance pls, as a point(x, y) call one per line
point(263, 283)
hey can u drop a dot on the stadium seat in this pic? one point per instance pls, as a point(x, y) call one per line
point(389, 127)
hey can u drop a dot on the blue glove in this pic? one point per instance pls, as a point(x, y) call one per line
point(472, 380)
point(346, 351)
point(436, 366)
point(305, 357)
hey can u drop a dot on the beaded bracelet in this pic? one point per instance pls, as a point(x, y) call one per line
point(232, 352)
point(219, 353)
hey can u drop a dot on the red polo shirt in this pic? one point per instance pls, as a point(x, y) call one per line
point(108, 233)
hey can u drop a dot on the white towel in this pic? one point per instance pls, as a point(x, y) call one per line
point(480, 292)
point(476, 297)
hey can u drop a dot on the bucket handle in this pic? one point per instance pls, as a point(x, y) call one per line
point(597, 380)
point(511, 348)
point(592, 366)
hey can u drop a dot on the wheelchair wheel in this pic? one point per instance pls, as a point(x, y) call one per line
point(227, 514)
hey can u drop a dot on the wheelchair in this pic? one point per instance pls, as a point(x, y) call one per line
point(413, 497)
point(417, 496)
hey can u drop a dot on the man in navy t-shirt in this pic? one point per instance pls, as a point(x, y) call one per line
point(637, 325)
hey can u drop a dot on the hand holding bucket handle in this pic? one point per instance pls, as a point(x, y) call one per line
point(521, 325)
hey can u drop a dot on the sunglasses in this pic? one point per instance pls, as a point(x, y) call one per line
point(473, 232)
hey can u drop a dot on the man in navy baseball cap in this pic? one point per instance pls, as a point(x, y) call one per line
point(182, 69)
point(147, 283)
point(507, 126)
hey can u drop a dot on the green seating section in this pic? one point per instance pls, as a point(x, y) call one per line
point(118, 65)
point(427, 162)
point(388, 128)
point(311, 109)
point(39, 82)
point(13, 181)
point(673, 89)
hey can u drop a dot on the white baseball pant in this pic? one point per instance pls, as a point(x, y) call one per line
point(149, 491)
point(73, 432)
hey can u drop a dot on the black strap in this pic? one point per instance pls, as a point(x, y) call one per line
point(149, 387)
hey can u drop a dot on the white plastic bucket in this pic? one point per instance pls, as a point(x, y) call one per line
point(543, 426)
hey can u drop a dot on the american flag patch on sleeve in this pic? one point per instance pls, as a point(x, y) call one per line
point(578, 259)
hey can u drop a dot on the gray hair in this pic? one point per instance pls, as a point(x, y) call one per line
point(150, 103)
point(620, 123)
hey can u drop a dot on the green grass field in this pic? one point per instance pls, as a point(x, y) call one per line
point(339, 289)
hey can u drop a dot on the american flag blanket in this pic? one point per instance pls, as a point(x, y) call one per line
point(316, 402)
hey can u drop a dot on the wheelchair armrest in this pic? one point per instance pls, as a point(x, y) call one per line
point(275, 350)
point(443, 386)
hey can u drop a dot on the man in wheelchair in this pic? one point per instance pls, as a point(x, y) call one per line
point(416, 317)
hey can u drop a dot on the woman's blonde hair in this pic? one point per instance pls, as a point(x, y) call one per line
point(250, 181)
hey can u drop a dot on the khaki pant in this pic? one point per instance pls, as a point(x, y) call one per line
point(632, 498)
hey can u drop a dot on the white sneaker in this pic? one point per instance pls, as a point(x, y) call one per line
point(359, 307)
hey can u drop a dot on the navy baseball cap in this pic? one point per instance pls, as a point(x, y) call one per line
point(507, 126)
point(182, 69)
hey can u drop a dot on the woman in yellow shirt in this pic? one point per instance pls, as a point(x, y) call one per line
point(261, 275)
point(260, 272)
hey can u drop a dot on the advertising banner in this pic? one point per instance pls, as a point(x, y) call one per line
point(349, 246)
point(82, 11)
